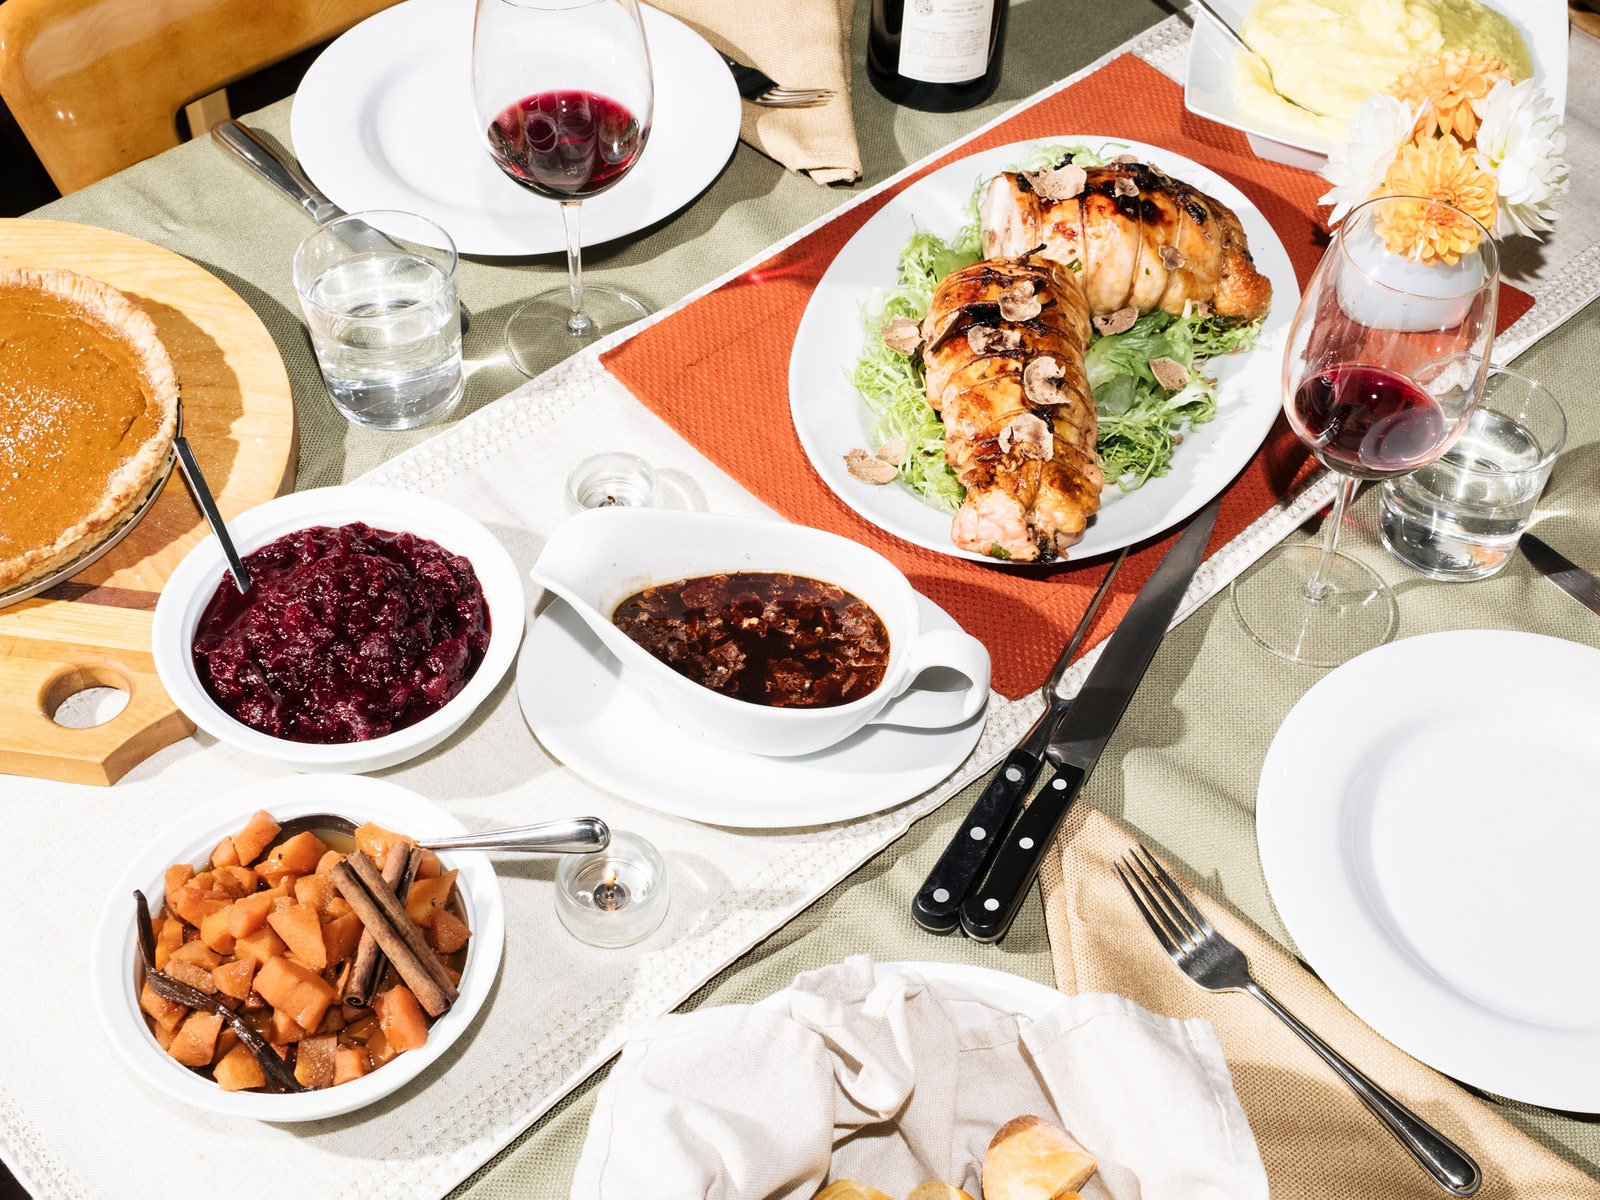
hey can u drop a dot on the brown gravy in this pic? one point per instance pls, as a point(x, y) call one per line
point(785, 641)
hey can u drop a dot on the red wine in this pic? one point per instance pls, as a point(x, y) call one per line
point(566, 145)
point(936, 55)
point(1368, 421)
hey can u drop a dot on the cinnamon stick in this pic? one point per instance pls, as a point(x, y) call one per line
point(399, 869)
point(397, 934)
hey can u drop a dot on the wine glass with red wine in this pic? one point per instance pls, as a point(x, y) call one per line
point(563, 93)
point(1386, 359)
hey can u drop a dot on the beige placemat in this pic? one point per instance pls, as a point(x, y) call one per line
point(1315, 1137)
point(800, 44)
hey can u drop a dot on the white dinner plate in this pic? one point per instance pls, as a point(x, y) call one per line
point(578, 706)
point(831, 417)
point(384, 119)
point(1428, 823)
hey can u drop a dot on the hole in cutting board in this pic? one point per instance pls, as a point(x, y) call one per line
point(85, 697)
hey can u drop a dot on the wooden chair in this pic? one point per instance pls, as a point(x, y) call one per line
point(97, 84)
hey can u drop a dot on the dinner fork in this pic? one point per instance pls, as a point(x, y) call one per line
point(1216, 964)
point(762, 89)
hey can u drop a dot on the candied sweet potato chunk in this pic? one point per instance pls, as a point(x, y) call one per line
point(314, 891)
point(249, 914)
point(374, 841)
point(168, 939)
point(234, 978)
point(301, 930)
point(177, 875)
point(194, 905)
point(341, 936)
point(428, 896)
point(225, 855)
point(284, 1029)
point(313, 1063)
point(196, 1039)
point(430, 867)
point(350, 1062)
point(400, 1017)
point(238, 1070)
point(297, 856)
point(380, 1050)
point(166, 1013)
point(240, 881)
point(192, 973)
point(260, 945)
point(295, 990)
point(255, 837)
point(329, 861)
point(448, 933)
point(214, 931)
point(196, 952)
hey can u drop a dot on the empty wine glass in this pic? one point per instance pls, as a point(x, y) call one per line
point(564, 93)
point(1386, 360)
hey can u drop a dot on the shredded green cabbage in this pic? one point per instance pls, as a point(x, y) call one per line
point(1140, 422)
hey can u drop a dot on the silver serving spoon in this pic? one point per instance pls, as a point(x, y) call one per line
point(202, 495)
point(1206, 8)
point(571, 835)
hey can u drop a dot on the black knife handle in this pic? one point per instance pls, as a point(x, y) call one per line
point(937, 906)
point(987, 913)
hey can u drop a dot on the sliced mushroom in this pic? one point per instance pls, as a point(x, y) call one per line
point(1043, 381)
point(893, 452)
point(1172, 258)
point(867, 468)
point(986, 339)
point(1118, 322)
point(1029, 436)
point(1060, 183)
point(1126, 158)
point(1169, 373)
point(902, 335)
point(934, 331)
point(1018, 303)
point(1125, 186)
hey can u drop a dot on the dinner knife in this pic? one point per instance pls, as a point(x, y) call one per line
point(937, 906)
point(1562, 571)
point(1083, 733)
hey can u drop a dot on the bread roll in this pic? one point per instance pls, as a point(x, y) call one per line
point(937, 1191)
point(1030, 1159)
point(849, 1189)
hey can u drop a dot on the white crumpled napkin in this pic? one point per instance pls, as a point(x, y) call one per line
point(885, 1081)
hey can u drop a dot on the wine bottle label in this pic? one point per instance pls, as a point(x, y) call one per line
point(945, 41)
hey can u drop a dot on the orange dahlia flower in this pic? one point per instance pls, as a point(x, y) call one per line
point(1449, 89)
point(1451, 188)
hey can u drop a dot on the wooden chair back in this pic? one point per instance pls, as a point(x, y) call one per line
point(97, 84)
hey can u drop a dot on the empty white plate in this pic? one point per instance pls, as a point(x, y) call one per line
point(384, 119)
point(1428, 823)
point(581, 709)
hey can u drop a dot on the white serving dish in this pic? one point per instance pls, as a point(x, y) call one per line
point(195, 581)
point(114, 971)
point(1208, 81)
point(597, 559)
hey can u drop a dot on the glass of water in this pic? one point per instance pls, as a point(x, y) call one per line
point(1460, 518)
point(379, 293)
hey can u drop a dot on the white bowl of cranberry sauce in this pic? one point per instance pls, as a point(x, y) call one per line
point(376, 622)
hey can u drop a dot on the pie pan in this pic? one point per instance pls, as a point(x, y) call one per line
point(115, 975)
point(197, 577)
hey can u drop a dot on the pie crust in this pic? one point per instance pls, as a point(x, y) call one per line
point(88, 410)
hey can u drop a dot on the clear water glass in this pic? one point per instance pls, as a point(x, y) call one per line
point(379, 295)
point(1460, 518)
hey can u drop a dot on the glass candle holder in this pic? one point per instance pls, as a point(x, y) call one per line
point(616, 897)
point(611, 479)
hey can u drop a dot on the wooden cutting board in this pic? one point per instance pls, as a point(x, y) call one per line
point(95, 629)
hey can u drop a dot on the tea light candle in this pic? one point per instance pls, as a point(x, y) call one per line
point(616, 897)
point(612, 479)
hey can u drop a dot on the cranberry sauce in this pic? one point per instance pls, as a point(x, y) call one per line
point(346, 634)
point(780, 640)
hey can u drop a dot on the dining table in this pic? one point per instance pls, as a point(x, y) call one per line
point(1181, 770)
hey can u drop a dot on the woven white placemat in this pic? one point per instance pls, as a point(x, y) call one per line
point(74, 1122)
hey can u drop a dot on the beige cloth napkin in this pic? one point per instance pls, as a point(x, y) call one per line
point(1315, 1137)
point(885, 1081)
point(800, 43)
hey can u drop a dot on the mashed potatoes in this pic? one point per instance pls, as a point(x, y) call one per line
point(1330, 55)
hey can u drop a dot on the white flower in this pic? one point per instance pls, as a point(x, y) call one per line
point(1520, 142)
point(1380, 127)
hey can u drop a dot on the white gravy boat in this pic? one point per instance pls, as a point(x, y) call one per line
point(596, 559)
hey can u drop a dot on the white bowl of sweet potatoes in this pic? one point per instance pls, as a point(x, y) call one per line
point(349, 1058)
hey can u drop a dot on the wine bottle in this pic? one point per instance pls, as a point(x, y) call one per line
point(936, 55)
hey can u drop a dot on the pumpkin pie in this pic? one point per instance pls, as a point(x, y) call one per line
point(88, 410)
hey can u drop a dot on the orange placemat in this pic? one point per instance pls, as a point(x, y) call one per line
point(717, 371)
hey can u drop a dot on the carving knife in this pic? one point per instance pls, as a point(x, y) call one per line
point(1562, 571)
point(937, 906)
point(1083, 733)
